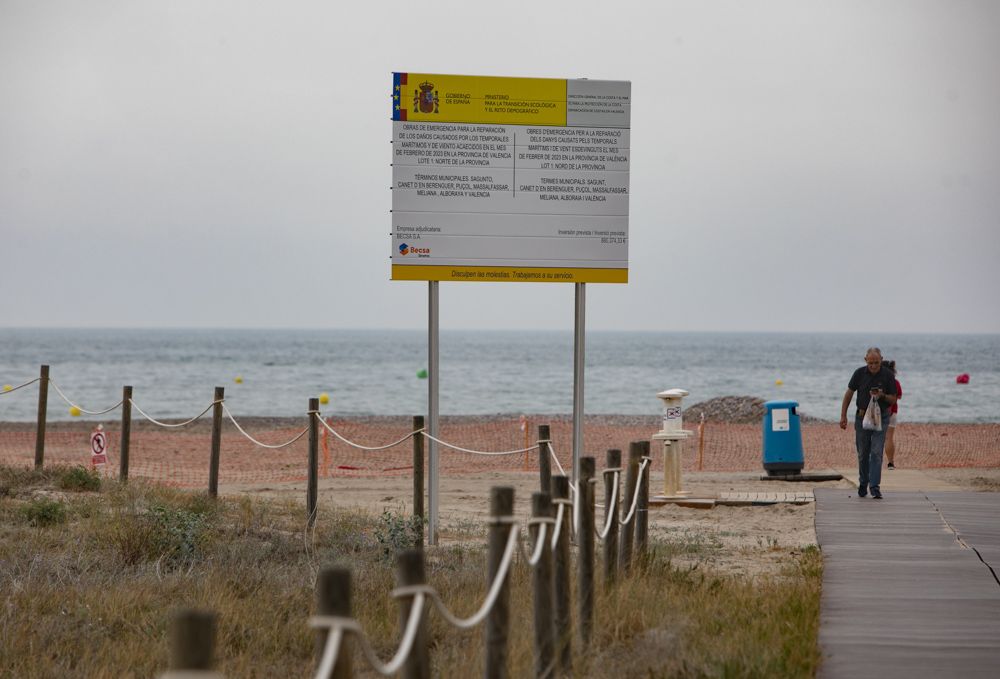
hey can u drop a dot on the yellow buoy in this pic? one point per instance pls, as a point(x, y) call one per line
point(238, 379)
point(75, 412)
point(7, 387)
point(324, 398)
point(778, 383)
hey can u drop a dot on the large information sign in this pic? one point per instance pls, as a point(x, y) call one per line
point(510, 179)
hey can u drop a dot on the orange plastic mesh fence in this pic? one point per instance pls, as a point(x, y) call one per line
point(181, 457)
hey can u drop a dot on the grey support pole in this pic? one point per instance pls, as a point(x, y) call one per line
point(433, 316)
point(579, 340)
point(585, 539)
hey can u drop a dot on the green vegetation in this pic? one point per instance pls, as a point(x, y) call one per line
point(80, 479)
point(94, 582)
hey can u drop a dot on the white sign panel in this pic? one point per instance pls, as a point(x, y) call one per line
point(510, 179)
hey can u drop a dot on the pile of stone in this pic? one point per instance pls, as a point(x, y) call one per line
point(731, 409)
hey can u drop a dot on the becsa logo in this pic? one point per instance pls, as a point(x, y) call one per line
point(405, 249)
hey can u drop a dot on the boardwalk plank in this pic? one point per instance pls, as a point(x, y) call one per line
point(902, 595)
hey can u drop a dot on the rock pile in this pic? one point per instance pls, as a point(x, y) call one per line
point(731, 409)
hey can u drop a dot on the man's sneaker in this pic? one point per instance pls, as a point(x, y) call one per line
point(862, 492)
point(890, 466)
point(876, 495)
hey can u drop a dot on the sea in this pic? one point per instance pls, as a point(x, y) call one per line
point(273, 373)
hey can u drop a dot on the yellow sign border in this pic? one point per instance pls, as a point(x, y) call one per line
point(505, 274)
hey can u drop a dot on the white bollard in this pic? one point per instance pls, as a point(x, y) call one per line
point(672, 436)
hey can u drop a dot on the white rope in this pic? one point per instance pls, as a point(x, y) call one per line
point(635, 496)
point(476, 452)
point(330, 650)
point(166, 424)
point(562, 502)
point(555, 457)
point(542, 522)
point(613, 509)
point(358, 445)
point(20, 386)
point(262, 445)
point(83, 410)
point(405, 646)
point(491, 595)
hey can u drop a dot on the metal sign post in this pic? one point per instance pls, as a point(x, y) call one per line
point(432, 410)
point(579, 337)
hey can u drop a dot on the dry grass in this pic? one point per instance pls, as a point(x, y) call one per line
point(92, 595)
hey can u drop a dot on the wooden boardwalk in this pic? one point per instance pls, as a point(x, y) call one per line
point(910, 584)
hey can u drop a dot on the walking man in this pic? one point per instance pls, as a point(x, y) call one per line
point(870, 381)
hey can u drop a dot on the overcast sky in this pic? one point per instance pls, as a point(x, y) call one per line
point(796, 166)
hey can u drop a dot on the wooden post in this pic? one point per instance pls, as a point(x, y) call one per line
point(192, 641)
point(498, 619)
point(411, 572)
point(642, 515)
point(544, 459)
point(701, 442)
point(614, 461)
point(126, 438)
point(43, 406)
point(418, 480)
point(627, 539)
point(561, 586)
point(585, 542)
point(333, 597)
point(213, 465)
point(541, 584)
point(312, 484)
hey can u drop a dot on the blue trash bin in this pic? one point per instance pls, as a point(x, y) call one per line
point(782, 438)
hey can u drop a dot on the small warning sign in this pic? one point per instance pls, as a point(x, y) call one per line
point(98, 448)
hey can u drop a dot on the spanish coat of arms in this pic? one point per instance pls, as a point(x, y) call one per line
point(425, 100)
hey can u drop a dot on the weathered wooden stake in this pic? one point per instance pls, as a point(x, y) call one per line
point(418, 480)
point(213, 465)
point(541, 584)
point(411, 572)
point(192, 641)
point(544, 459)
point(43, 406)
point(627, 539)
point(498, 619)
point(614, 461)
point(561, 587)
point(312, 483)
point(333, 597)
point(642, 517)
point(585, 547)
point(126, 438)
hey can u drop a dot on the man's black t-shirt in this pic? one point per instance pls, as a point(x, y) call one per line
point(863, 381)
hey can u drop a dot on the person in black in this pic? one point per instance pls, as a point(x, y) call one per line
point(870, 381)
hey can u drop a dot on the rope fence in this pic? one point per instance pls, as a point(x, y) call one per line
point(549, 564)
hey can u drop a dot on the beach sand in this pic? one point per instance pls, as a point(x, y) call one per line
point(745, 540)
